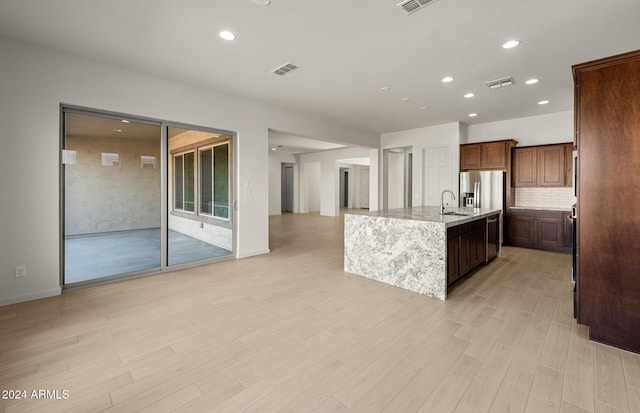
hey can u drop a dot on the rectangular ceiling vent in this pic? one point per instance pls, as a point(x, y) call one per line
point(284, 69)
point(410, 6)
point(498, 83)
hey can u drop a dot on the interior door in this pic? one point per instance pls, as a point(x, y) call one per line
point(287, 188)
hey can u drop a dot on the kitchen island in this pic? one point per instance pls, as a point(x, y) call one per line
point(410, 247)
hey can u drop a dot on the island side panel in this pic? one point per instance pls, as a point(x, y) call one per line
point(408, 254)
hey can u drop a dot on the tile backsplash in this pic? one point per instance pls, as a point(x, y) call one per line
point(544, 197)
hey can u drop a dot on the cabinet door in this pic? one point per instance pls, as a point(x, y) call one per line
point(551, 165)
point(470, 156)
point(465, 253)
point(522, 231)
point(550, 232)
point(453, 257)
point(494, 155)
point(568, 165)
point(524, 167)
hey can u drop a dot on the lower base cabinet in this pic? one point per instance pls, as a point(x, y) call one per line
point(466, 248)
point(540, 229)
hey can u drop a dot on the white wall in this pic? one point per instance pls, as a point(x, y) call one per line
point(36, 81)
point(313, 172)
point(375, 178)
point(330, 177)
point(419, 140)
point(276, 159)
point(395, 179)
point(530, 131)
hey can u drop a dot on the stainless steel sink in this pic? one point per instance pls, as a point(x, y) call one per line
point(458, 214)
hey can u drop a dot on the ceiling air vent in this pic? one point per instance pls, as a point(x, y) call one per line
point(410, 6)
point(284, 69)
point(498, 83)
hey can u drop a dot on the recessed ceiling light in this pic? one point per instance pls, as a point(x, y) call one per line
point(274, 149)
point(469, 95)
point(406, 99)
point(227, 35)
point(124, 121)
point(543, 102)
point(510, 44)
point(423, 108)
point(385, 88)
point(447, 79)
point(532, 81)
point(473, 115)
point(118, 130)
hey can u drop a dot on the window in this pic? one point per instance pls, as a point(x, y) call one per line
point(184, 182)
point(212, 181)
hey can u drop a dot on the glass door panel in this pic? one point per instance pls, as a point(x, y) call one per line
point(112, 196)
point(200, 223)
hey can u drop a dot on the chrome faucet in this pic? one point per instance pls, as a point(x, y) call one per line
point(442, 199)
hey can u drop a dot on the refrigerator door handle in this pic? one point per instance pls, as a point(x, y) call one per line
point(476, 195)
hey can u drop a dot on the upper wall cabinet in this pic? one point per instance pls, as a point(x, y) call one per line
point(486, 155)
point(545, 166)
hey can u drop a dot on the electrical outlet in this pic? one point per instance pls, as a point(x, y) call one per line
point(20, 271)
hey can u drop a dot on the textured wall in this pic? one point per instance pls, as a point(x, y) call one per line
point(112, 198)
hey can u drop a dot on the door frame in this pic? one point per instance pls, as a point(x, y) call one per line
point(164, 178)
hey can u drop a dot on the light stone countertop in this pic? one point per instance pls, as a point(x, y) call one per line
point(404, 247)
point(431, 214)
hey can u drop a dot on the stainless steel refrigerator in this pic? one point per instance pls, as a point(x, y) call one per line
point(483, 189)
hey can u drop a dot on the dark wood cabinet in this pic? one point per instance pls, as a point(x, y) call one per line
point(540, 229)
point(465, 253)
point(525, 167)
point(522, 230)
point(542, 166)
point(551, 165)
point(453, 259)
point(486, 155)
point(607, 113)
point(550, 232)
point(470, 156)
point(494, 155)
point(466, 248)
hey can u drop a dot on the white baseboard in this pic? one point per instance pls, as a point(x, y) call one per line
point(30, 297)
point(254, 253)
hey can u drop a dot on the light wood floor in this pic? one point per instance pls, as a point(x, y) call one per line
point(290, 331)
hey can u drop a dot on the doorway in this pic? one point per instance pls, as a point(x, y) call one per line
point(344, 187)
point(397, 178)
point(130, 205)
point(286, 186)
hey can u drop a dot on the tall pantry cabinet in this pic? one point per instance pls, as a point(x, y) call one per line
point(607, 122)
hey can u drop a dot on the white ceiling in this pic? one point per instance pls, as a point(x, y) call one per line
point(347, 50)
point(297, 144)
point(98, 127)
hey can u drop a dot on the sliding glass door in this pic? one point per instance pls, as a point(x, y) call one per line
point(112, 196)
point(140, 196)
point(200, 225)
